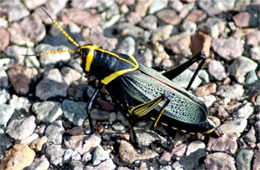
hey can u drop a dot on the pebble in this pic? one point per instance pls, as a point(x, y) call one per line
point(3, 78)
point(52, 85)
point(14, 10)
point(111, 22)
point(30, 139)
point(86, 157)
point(206, 90)
point(70, 75)
point(158, 5)
point(193, 160)
point(240, 67)
point(184, 78)
point(118, 126)
point(161, 33)
point(234, 91)
point(107, 164)
point(29, 30)
point(242, 19)
point(83, 144)
point(208, 100)
point(217, 70)
point(141, 7)
point(41, 163)
point(228, 49)
point(3, 22)
point(253, 38)
point(5, 38)
point(146, 138)
point(33, 4)
point(20, 103)
point(255, 53)
point(128, 154)
point(84, 18)
point(149, 22)
point(244, 158)
point(100, 115)
point(37, 144)
point(213, 26)
point(199, 42)
point(75, 112)
point(20, 129)
point(219, 160)
point(127, 46)
point(18, 157)
point(52, 58)
point(176, 5)
point(212, 8)
point(47, 111)
point(179, 44)
point(17, 53)
point(256, 160)
point(189, 27)
point(6, 112)
point(4, 96)
point(133, 18)
point(250, 137)
point(251, 78)
point(70, 154)
point(55, 154)
point(54, 132)
point(196, 16)
point(20, 77)
point(194, 146)
point(237, 126)
point(75, 164)
point(245, 111)
point(226, 143)
point(99, 155)
point(169, 16)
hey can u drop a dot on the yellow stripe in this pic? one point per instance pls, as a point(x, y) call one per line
point(184, 131)
point(164, 124)
point(90, 56)
point(157, 120)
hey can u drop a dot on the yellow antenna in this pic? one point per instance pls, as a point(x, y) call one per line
point(62, 30)
point(51, 52)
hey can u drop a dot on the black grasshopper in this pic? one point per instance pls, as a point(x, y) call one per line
point(140, 90)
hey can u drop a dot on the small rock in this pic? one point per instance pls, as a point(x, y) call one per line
point(76, 164)
point(6, 112)
point(253, 38)
point(149, 22)
point(52, 85)
point(3, 22)
point(17, 53)
point(255, 53)
point(244, 158)
point(245, 111)
point(118, 126)
point(213, 26)
point(4, 42)
point(41, 163)
point(240, 67)
point(127, 46)
point(128, 154)
point(107, 164)
point(232, 91)
point(203, 74)
point(70, 75)
point(142, 7)
point(165, 157)
point(157, 5)
point(208, 100)
point(228, 49)
point(162, 33)
point(226, 143)
point(213, 8)
point(146, 138)
point(54, 132)
point(47, 111)
point(99, 115)
point(105, 105)
point(196, 16)
point(234, 126)
point(206, 90)
point(38, 143)
point(251, 78)
point(199, 42)
point(20, 78)
point(71, 155)
point(30, 139)
point(189, 27)
point(193, 160)
point(14, 10)
point(220, 160)
point(86, 157)
point(3, 78)
point(81, 146)
point(169, 16)
point(256, 160)
point(177, 5)
point(84, 18)
point(4, 96)
point(179, 150)
point(133, 18)
point(28, 30)
point(194, 146)
point(18, 157)
point(250, 137)
point(55, 154)
point(99, 155)
point(242, 19)
point(184, 78)
point(33, 4)
point(20, 103)
point(75, 112)
point(21, 129)
point(179, 44)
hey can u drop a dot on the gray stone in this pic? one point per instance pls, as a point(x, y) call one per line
point(54, 132)
point(158, 5)
point(149, 22)
point(212, 7)
point(4, 96)
point(99, 155)
point(194, 146)
point(232, 91)
point(184, 78)
point(193, 160)
point(250, 137)
point(32, 4)
point(47, 111)
point(76, 165)
point(237, 126)
point(41, 163)
point(17, 53)
point(6, 112)
point(107, 165)
point(240, 67)
point(3, 77)
point(217, 70)
point(219, 160)
point(255, 53)
point(118, 126)
point(213, 26)
point(251, 77)
point(55, 153)
point(127, 46)
point(75, 112)
point(22, 128)
point(245, 111)
point(20, 103)
point(244, 158)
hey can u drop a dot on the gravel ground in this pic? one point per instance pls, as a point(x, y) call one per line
point(43, 100)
